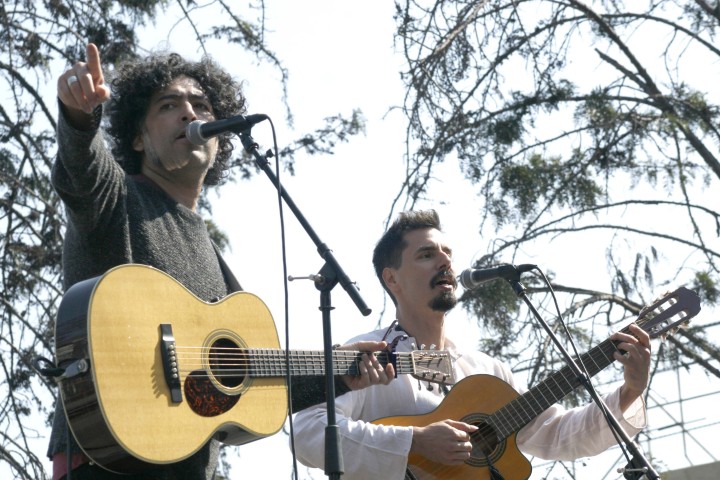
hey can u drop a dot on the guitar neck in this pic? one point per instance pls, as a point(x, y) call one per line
point(521, 411)
point(274, 363)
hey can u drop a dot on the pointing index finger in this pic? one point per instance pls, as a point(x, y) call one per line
point(93, 64)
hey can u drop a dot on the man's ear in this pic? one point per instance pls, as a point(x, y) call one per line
point(138, 144)
point(388, 276)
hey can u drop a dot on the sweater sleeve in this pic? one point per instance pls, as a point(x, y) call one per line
point(85, 174)
point(310, 390)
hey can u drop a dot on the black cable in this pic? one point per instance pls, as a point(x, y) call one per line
point(50, 370)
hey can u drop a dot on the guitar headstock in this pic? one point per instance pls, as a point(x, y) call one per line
point(433, 366)
point(672, 311)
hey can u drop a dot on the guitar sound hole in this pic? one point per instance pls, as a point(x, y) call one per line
point(228, 362)
point(486, 445)
point(484, 440)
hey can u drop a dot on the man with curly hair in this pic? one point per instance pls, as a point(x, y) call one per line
point(137, 204)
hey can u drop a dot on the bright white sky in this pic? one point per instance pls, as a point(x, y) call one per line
point(339, 56)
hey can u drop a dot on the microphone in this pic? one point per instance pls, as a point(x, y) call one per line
point(199, 132)
point(472, 278)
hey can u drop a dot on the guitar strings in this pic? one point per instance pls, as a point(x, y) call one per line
point(232, 361)
point(523, 409)
point(517, 413)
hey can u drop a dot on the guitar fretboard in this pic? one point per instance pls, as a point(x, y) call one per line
point(663, 315)
point(433, 366)
point(273, 363)
point(521, 411)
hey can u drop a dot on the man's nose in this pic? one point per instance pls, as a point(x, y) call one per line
point(445, 261)
point(188, 113)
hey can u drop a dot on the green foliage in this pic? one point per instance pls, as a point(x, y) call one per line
point(218, 236)
point(542, 181)
point(507, 129)
point(322, 141)
point(495, 305)
point(706, 286)
point(694, 109)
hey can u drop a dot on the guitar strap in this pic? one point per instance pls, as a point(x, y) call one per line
point(395, 326)
point(230, 279)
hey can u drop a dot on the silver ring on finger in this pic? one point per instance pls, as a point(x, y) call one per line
point(71, 79)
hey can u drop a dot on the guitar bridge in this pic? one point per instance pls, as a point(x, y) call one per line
point(170, 362)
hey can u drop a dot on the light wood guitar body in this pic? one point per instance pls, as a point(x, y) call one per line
point(470, 401)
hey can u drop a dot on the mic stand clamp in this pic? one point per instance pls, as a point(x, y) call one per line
point(638, 464)
point(633, 470)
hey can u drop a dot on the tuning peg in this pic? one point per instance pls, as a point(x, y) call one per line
point(432, 346)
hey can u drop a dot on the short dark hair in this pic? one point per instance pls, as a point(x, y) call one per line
point(135, 82)
point(388, 251)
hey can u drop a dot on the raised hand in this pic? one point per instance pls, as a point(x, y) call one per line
point(82, 88)
point(636, 363)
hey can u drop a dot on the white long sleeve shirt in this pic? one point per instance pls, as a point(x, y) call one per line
point(381, 451)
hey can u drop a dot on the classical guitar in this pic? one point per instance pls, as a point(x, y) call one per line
point(152, 372)
point(501, 413)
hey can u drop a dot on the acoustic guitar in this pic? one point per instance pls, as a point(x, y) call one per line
point(152, 372)
point(500, 412)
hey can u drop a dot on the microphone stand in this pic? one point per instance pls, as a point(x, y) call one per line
point(638, 464)
point(330, 275)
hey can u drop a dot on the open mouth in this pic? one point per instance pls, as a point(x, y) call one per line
point(444, 279)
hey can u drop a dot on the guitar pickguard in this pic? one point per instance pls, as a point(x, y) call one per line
point(204, 399)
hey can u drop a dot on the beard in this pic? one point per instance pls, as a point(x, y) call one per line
point(444, 302)
point(202, 157)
